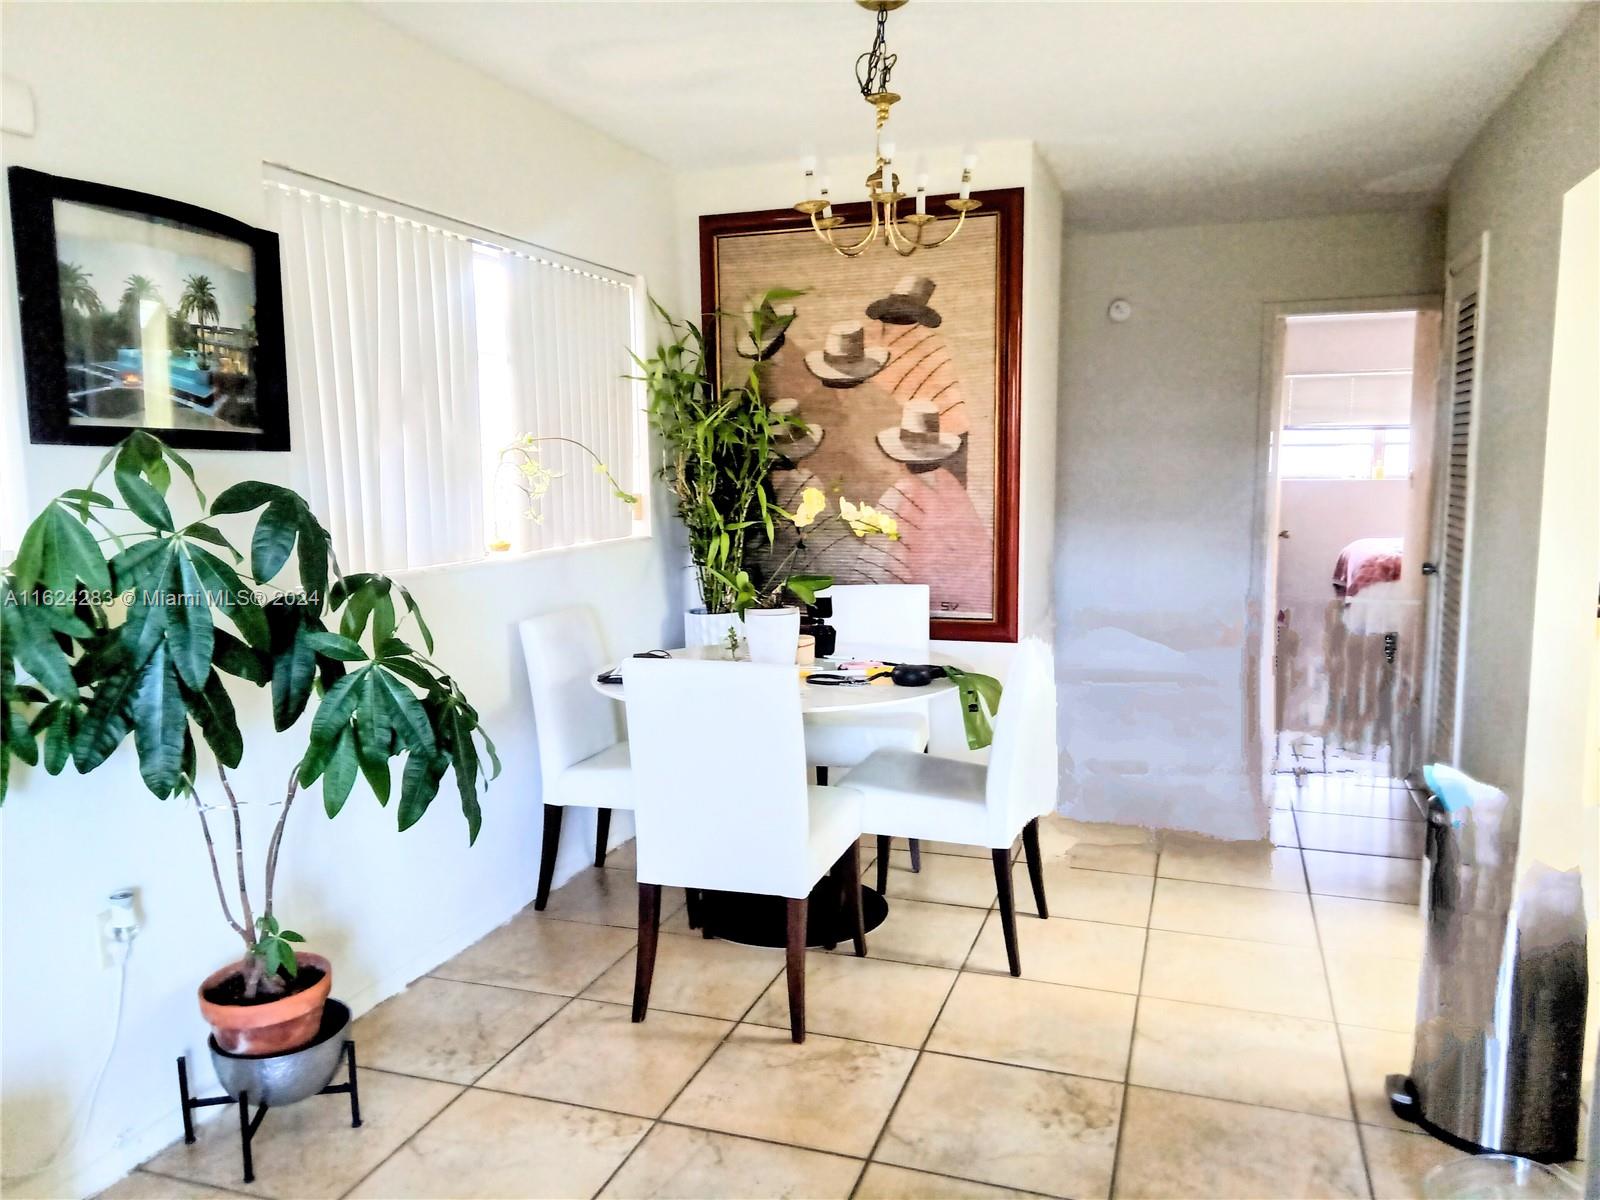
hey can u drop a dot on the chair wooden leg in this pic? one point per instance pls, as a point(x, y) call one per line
point(822, 776)
point(644, 960)
point(602, 835)
point(884, 843)
point(916, 855)
point(1008, 908)
point(1030, 847)
point(691, 906)
point(795, 965)
point(858, 916)
point(547, 854)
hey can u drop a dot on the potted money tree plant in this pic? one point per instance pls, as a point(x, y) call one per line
point(127, 619)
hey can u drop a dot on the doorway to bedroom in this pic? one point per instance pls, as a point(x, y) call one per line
point(1351, 499)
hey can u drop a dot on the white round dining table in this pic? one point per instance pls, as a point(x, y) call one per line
point(814, 697)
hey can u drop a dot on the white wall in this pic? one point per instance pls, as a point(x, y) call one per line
point(187, 101)
point(1001, 164)
point(1512, 180)
point(1159, 475)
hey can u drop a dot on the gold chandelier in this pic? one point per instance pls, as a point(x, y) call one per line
point(883, 185)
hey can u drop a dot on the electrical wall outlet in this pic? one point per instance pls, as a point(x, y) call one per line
point(117, 925)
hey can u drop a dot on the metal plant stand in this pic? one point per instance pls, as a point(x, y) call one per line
point(277, 1080)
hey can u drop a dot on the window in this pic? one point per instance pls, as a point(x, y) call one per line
point(420, 349)
point(1353, 425)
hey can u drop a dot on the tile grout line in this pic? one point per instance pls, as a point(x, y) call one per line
point(1133, 1037)
point(1344, 1062)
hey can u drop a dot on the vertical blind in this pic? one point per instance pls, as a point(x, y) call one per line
point(417, 353)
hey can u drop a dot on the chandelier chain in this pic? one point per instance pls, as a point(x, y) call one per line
point(875, 65)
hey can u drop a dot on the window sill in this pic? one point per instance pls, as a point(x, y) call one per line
point(494, 558)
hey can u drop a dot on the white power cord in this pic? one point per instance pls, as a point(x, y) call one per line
point(119, 948)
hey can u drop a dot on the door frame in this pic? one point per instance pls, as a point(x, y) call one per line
point(1261, 596)
point(1477, 252)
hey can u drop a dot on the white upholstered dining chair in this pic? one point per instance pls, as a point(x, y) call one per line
point(722, 802)
point(904, 794)
point(583, 760)
point(887, 622)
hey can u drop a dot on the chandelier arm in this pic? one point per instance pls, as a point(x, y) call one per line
point(902, 245)
point(848, 250)
point(960, 221)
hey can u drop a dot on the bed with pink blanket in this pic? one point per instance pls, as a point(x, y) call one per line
point(1366, 562)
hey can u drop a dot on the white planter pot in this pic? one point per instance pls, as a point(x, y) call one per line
point(701, 628)
point(773, 633)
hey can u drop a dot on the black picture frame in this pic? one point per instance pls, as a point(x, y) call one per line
point(44, 339)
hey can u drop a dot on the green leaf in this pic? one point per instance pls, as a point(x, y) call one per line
point(340, 775)
point(107, 721)
point(242, 497)
point(146, 502)
point(416, 615)
point(189, 629)
point(201, 532)
point(147, 613)
point(212, 710)
point(419, 784)
point(290, 935)
point(806, 587)
point(334, 645)
point(383, 619)
point(276, 530)
point(292, 671)
point(416, 731)
point(158, 716)
point(29, 637)
point(233, 657)
point(268, 923)
point(58, 551)
point(58, 738)
point(374, 762)
point(183, 465)
point(329, 724)
point(358, 607)
point(464, 757)
point(228, 592)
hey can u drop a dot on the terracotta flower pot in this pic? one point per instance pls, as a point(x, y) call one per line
point(270, 1028)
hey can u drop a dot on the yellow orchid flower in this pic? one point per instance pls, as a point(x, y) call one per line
point(864, 519)
point(812, 503)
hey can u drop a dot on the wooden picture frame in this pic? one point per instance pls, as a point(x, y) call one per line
point(727, 280)
point(200, 294)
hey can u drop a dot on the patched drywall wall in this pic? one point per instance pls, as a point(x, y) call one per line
point(1159, 475)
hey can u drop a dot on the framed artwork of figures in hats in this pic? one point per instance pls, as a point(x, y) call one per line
point(905, 372)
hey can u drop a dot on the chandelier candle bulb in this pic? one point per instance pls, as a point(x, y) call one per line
point(922, 195)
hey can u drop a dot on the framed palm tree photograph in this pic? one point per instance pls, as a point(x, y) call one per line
point(141, 312)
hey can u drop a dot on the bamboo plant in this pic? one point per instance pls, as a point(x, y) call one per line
point(140, 643)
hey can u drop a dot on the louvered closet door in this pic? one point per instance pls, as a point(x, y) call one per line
point(1465, 308)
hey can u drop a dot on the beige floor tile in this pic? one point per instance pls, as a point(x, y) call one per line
point(595, 1054)
point(1120, 898)
point(494, 1146)
point(624, 857)
point(1099, 833)
point(707, 977)
point(1369, 926)
point(1364, 876)
point(1081, 953)
point(1122, 848)
point(1257, 976)
point(1077, 1030)
point(442, 1029)
point(1369, 1056)
point(1193, 1147)
point(956, 848)
point(559, 957)
point(1356, 800)
point(870, 999)
point(1399, 1160)
point(1224, 910)
point(1246, 864)
point(1361, 835)
point(1374, 991)
point(674, 1163)
point(944, 879)
point(308, 1150)
point(1006, 1125)
point(1230, 1054)
point(883, 1182)
point(1281, 830)
point(934, 935)
point(142, 1185)
point(825, 1094)
point(608, 896)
